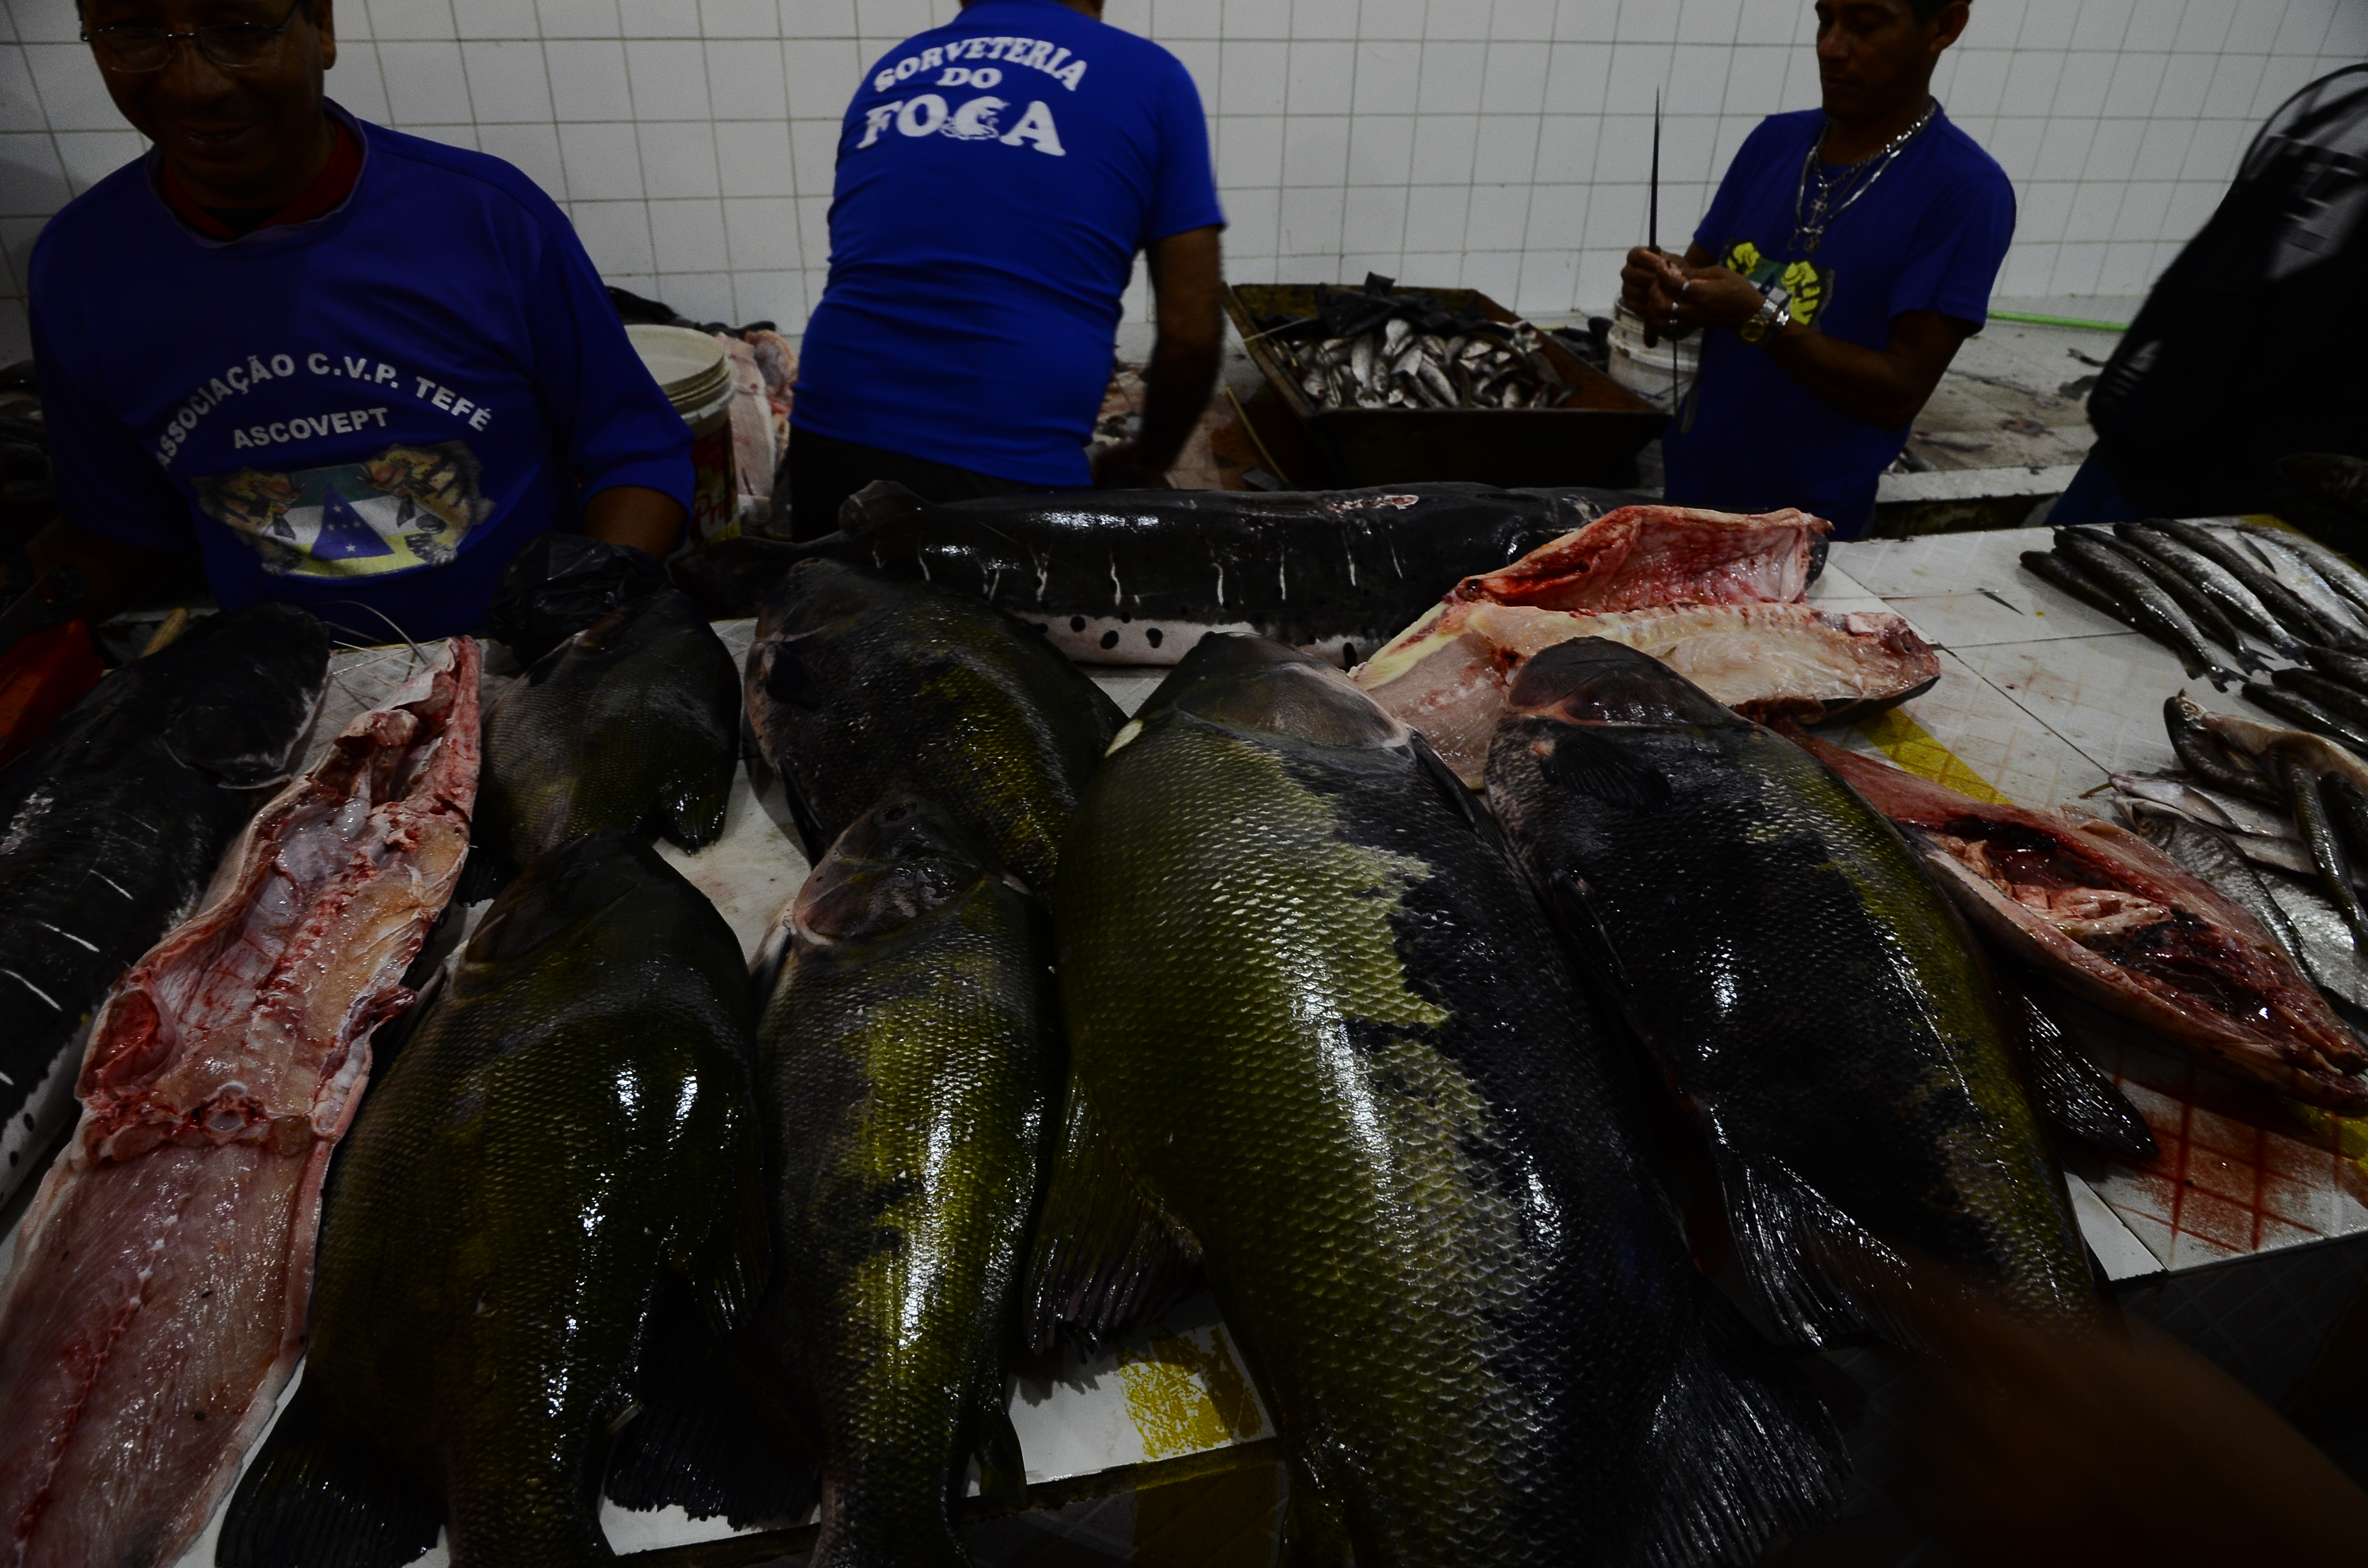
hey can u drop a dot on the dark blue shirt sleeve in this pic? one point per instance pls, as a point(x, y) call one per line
point(107, 482)
point(618, 425)
point(1185, 195)
point(1960, 242)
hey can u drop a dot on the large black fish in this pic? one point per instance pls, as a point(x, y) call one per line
point(632, 722)
point(111, 831)
point(909, 1068)
point(1138, 577)
point(1313, 1001)
point(859, 688)
point(1808, 989)
point(568, 1140)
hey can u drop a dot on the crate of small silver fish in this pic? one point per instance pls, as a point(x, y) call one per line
point(1398, 386)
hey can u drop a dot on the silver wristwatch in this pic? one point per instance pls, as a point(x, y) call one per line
point(1775, 315)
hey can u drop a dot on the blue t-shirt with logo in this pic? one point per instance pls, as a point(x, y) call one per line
point(367, 414)
point(1930, 234)
point(996, 179)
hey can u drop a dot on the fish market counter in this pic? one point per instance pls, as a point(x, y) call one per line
point(1151, 1450)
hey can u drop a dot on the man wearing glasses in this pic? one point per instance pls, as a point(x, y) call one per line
point(346, 367)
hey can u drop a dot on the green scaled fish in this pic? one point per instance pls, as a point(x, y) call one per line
point(859, 688)
point(909, 1067)
point(567, 1141)
point(1317, 1008)
point(1808, 990)
point(633, 724)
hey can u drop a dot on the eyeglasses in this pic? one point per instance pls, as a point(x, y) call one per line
point(134, 49)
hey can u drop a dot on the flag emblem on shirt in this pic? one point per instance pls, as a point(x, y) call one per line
point(405, 508)
point(1806, 282)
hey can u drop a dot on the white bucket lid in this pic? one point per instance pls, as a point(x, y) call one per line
point(688, 364)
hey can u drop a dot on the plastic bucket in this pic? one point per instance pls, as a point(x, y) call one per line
point(691, 368)
point(1650, 372)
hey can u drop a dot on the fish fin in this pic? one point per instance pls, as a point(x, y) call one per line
point(1740, 1448)
point(1585, 763)
point(1002, 1469)
point(1817, 1275)
point(725, 1264)
point(2072, 1093)
point(321, 1495)
point(1105, 1259)
point(689, 811)
point(709, 1439)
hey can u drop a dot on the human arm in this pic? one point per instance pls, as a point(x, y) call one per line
point(1886, 387)
point(118, 575)
point(648, 520)
point(1188, 288)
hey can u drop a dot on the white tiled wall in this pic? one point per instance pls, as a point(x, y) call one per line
point(1502, 144)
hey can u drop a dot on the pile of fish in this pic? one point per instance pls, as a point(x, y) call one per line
point(110, 830)
point(1715, 597)
point(2208, 588)
point(158, 1301)
point(1484, 365)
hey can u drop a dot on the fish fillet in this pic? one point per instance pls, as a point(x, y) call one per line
point(1448, 674)
point(1639, 557)
point(2116, 920)
point(157, 1304)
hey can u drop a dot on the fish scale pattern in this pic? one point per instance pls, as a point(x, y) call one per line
point(1793, 969)
point(910, 1066)
point(572, 1123)
point(633, 724)
point(1314, 1005)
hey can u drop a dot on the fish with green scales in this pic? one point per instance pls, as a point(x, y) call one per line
point(567, 1141)
point(910, 1071)
point(631, 723)
point(859, 688)
point(1313, 1000)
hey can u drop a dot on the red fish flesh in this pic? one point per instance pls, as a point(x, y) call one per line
point(2114, 919)
point(158, 1298)
point(1642, 556)
point(1448, 675)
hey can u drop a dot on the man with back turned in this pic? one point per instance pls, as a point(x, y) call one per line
point(1849, 253)
point(997, 177)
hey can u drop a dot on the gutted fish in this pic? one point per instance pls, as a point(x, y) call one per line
point(910, 1071)
point(859, 686)
point(568, 1140)
point(1814, 999)
point(2105, 914)
point(1138, 577)
point(1312, 999)
point(113, 827)
point(158, 1302)
point(631, 723)
point(1642, 557)
point(1447, 675)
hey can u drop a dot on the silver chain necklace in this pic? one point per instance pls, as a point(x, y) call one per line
point(1813, 215)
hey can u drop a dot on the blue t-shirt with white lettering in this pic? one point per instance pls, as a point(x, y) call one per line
point(367, 414)
point(1930, 234)
point(996, 179)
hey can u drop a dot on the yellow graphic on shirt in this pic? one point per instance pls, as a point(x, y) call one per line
point(1809, 284)
point(407, 507)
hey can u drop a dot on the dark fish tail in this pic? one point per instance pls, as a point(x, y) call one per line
point(1817, 1273)
point(710, 1439)
point(2070, 1091)
point(321, 1495)
point(1739, 1448)
point(1105, 1260)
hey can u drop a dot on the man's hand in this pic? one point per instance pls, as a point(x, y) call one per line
point(1648, 285)
point(1715, 296)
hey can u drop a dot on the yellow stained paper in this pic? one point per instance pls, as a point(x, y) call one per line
point(1186, 1398)
point(1913, 747)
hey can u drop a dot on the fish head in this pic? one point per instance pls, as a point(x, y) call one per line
point(1596, 681)
point(1252, 683)
point(898, 862)
point(624, 629)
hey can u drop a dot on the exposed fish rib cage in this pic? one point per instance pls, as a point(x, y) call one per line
point(167, 1260)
